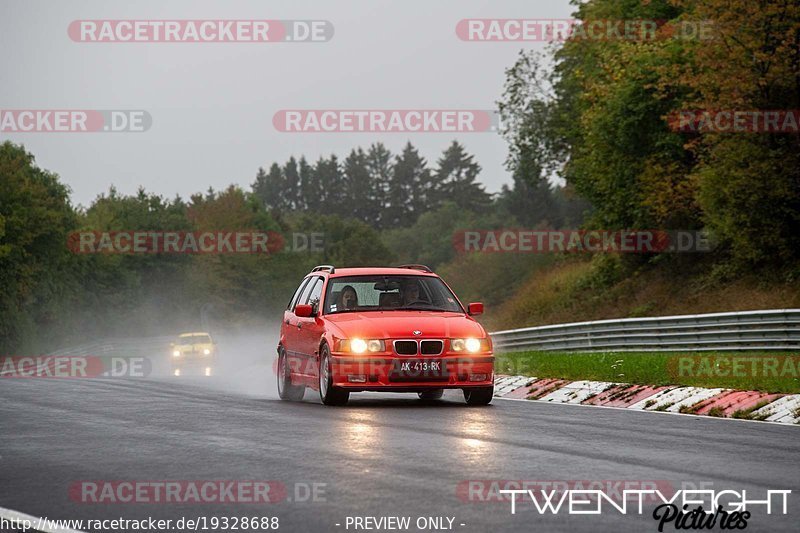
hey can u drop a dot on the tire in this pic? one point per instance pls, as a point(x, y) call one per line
point(329, 394)
point(430, 395)
point(479, 396)
point(287, 391)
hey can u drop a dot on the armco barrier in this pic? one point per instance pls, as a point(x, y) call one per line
point(776, 329)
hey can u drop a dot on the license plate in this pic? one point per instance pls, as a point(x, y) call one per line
point(419, 369)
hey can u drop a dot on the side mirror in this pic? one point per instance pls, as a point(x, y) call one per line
point(475, 308)
point(303, 310)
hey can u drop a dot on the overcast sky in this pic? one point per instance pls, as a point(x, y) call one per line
point(212, 103)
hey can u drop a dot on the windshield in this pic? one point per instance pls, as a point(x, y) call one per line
point(195, 339)
point(389, 293)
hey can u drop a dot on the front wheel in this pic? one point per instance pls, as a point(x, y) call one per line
point(329, 394)
point(479, 396)
point(287, 391)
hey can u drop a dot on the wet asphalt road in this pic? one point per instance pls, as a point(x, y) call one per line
point(379, 456)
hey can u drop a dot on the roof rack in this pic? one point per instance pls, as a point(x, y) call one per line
point(329, 268)
point(417, 267)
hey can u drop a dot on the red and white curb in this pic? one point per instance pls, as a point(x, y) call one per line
point(723, 403)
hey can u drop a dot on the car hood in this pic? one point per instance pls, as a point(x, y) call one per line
point(402, 324)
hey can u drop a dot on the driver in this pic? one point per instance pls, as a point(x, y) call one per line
point(348, 298)
point(410, 291)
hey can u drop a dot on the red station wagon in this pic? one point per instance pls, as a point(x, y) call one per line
point(382, 329)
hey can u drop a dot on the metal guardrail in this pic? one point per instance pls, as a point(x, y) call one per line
point(776, 329)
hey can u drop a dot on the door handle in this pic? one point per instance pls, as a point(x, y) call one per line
point(299, 325)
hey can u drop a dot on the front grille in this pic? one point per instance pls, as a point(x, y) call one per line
point(431, 347)
point(405, 347)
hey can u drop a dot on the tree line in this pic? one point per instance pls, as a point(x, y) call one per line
point(599, 118)
point(373, 209)
point(50, 296)
point(373, 185)
point(385, 190)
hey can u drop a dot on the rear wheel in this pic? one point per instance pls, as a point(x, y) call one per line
point(329, 394)
point(479, 396)
point(287, 391)
point(435, 394)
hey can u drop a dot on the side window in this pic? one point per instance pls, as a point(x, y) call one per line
point(315, 294)
point(296, 296)
point(306, 290)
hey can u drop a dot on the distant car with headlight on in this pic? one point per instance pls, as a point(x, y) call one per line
point(397, 329)
point(193, 354)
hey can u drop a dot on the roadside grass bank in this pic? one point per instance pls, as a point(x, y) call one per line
point(580, 288)
point(772, 372)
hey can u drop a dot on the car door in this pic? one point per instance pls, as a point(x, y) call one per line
point(289, 326)
point(311, 328)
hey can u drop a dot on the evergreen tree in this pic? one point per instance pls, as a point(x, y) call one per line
point(329, 182)
point(408, 193)
point(291, 179)
point(379, 166)
point(268, 188)
point(361, 192)
point(455, 180)
point(308, 197)
point(531, 205)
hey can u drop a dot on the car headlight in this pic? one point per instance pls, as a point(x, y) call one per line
point(471, 345)
point(176, 353)
point(358, 346)
point(361, 345)
point(206, 352)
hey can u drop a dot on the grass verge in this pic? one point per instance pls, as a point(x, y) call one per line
point(767, 372)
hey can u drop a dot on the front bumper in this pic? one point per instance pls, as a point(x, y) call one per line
point(194, 360)
point(193, 364)
point(371, 373)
